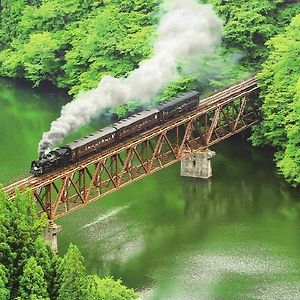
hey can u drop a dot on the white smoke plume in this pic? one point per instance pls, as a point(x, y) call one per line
point(186, 29)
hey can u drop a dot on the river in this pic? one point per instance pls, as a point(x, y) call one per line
point(235, 236)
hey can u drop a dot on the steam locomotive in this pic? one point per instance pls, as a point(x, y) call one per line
point(117, 132)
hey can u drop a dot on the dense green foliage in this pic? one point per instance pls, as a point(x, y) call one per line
point(107, 289)
point(72, 276)
point(75, 43)
point(19, 229)
point(249, 24)
point(33, 284)
point(280, 84)
point(30, 270)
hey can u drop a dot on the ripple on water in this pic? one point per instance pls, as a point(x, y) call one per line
point(200, 276)
point(120, 243)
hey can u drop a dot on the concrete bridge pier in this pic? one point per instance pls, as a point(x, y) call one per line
point(198, 164)
point(50, 235)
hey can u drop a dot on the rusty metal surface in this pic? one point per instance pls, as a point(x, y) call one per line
point(217, 118)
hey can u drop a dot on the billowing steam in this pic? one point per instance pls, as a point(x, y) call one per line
point(186, 29)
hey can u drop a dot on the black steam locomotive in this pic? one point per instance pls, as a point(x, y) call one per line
point(114, 134)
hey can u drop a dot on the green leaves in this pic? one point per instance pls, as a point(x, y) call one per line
point(110, 42)
point(249, 24)
point(4, 292)
point(32, 284)
point(18, 231)
point(75, 285)
point(72, 276)
point(279, 80)
point(39, 57)
point(108, 289)
point(75, 43)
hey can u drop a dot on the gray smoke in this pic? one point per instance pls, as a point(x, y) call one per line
point(186, 29)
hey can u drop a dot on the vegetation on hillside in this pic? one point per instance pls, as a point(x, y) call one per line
point(29, 269)
point(250, 24)
point(280, 92)
point(74, 43)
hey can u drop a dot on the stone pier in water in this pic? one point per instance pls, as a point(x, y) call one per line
point(198, 164)
point(50, 235)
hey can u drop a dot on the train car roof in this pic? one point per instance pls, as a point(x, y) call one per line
point(179, 99)
point(135, 118)
point(90, 138)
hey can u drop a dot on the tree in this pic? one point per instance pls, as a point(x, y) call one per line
point(11, 12)
point(19, 229)
point(39, 58)
point(108, 289)
point(32, 284)
point(74, 43)
point(249, 24)
point(49, 262)
point(72, 276)
point(4, 292)
point(54, 281)
point(110, 42)
point(289, 164)
point(279, 82)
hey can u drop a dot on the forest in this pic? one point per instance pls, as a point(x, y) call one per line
point(72, 44)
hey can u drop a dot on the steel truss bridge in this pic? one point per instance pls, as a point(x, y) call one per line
point(216, 118)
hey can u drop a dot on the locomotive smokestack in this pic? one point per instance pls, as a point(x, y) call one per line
point(186, 29)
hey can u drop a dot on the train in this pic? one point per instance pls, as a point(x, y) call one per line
point(114, 134)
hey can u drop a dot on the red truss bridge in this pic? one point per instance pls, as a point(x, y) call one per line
point(216, 118)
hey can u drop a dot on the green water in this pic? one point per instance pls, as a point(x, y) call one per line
point(235, 236)
point(25, 113)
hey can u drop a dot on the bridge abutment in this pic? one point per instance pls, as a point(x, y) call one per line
point(50, 235)
point(198, 165)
